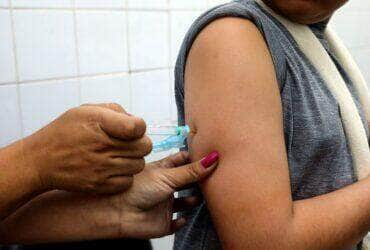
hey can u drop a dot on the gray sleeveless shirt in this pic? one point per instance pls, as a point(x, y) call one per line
point(318, 155)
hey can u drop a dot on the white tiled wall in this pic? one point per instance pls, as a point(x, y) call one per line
point(45, 44)
point(7, 63)
point(352, 24)
point(102, 48)
point(55, 54)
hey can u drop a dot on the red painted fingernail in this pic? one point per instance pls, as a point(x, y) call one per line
point(210, 159)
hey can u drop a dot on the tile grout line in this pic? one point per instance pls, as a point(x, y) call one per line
point(117, 73)
point(8, 83)
point(109, 74)
point(16, 66)
point(77, 53)
point(169, 23)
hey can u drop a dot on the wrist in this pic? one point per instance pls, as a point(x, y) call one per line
point(26, 160)
point(128, 221)
point(19, 180)
point(107, 217)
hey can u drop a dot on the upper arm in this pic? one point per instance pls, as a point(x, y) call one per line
point(232, 102)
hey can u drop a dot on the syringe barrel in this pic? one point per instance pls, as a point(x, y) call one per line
point(177, 140)
point(162, 130)
point(168, 130)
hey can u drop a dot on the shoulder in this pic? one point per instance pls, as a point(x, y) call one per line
point(230, 47)
point(226, 32)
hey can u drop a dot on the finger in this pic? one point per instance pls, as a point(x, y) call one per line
point(122, 126)
point(116, 184)
point(177, 224)
point(186, 203)
point(135, 148)
point(125, 166)
point(112, 106)
point(178, 159)
point(191, 173)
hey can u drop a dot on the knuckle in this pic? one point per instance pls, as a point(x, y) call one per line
point(165, 163)
point(193, 171)
point(73, 111)
point(84, 108)
point(139, 165)
point(135, 128)
point(96, 180)
point(132, 166)
point(130, 128)
point(172, 180)
point(140, 127)
point(142, 147)
point(102, 142)
point(86, 105)
point(93, 186)
point(184, 156)
point(90, 113)
point(115, 106)
point(147, 145)
point(90, 159)
point(125, 183)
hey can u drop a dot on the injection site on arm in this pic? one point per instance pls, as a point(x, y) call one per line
point(175, 136)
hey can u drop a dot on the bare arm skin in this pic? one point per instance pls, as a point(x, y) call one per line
point(233, 104)
point(19, 182)
point(59, 216)
point(144, 211)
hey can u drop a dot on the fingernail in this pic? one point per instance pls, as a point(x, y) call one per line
point(210, 159)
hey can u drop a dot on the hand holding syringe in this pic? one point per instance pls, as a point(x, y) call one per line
point(176, 136)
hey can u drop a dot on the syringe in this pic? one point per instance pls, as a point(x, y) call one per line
point(177, 136)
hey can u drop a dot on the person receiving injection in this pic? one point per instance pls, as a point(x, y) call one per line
point(84, 176)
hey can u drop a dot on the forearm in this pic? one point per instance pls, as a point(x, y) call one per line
point(19, 182)
point(60, 216)
point(338, 220)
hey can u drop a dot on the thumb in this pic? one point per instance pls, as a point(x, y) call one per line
point(181, 177)
point(121, 125)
